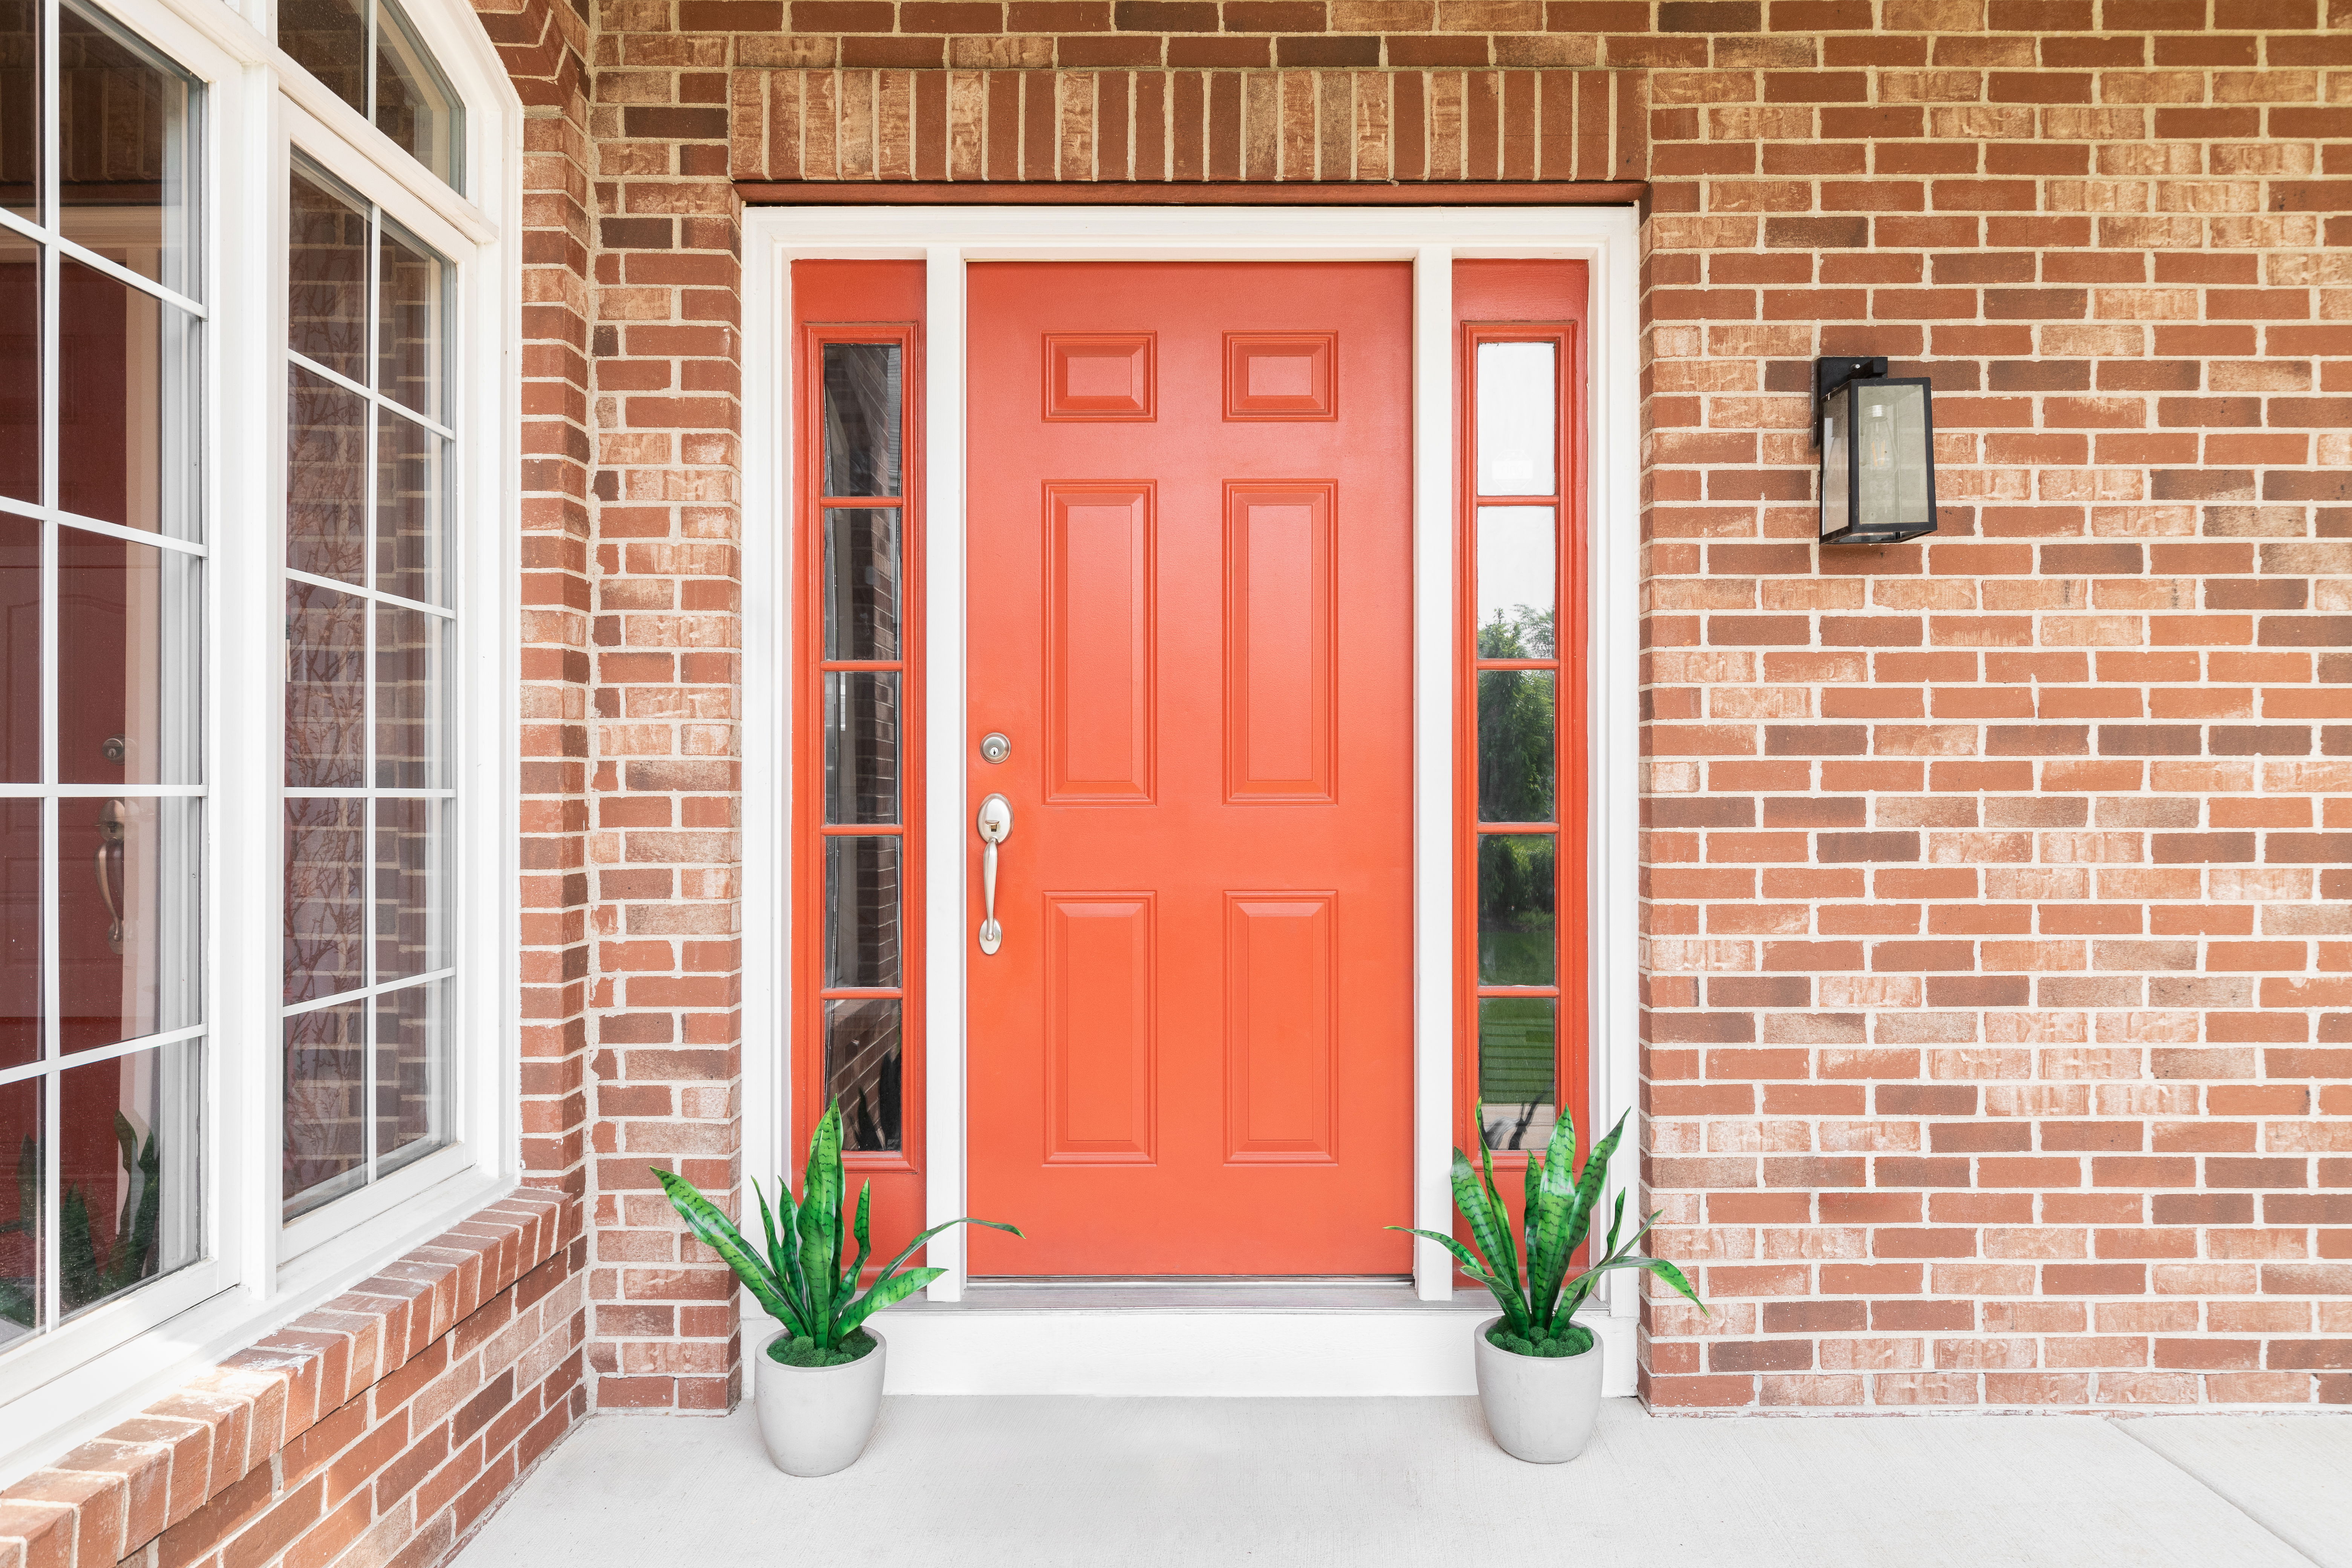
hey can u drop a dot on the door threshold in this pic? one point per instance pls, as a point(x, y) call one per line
point(1195, 1293)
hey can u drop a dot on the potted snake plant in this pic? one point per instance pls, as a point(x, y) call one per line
point(1539, 1369)
point(817, 1380)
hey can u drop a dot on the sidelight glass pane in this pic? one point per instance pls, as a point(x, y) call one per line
point(861, 582)
point(861, 747)
point(411, 331)
point(325, 1109)
point(20, 114)
point(413, 104)
point(861, 419)
point(20, 354)
point(124, 153)
point(128, 898)
point(411, 1079)
point(862, 1070)
point(412, 880)
point(326, 478)
point(23, 1176)
point(20, 625)
point(327, 271)
point(326, 688)
point(326, 880)
point(412, 649)
point(412, 499)
point(1518, 941)
point(126, 431)
point(1517, 1045)
point(1518, 577)
point(22, 1008)
point(1518, 731)
point(328, 39)
point(127, 700)
point(861, 913)
point(1518, 419)
point(127, 1173)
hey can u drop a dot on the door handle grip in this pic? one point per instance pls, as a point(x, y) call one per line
point(995, 824)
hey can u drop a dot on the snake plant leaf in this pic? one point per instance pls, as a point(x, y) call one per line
point(1663, 1270)
point(1508, 1263)
point(1589, 1183)
point(1506, 1295)
point(848, 1285)
point(1531, 1211)
point(1491, 1231)
point(1552, 1207)
point(1617, 1223)
point(820, 1225)
point(916, 1245)
point(717, 1232)
point(886, 1293)
point(783, 1257)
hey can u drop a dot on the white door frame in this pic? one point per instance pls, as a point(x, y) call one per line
point(948, 237)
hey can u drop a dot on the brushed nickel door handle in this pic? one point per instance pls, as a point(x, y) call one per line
point(995, 824)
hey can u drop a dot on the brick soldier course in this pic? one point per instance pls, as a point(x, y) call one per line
point(1997, 954)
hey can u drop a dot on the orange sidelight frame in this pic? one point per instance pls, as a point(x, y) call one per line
point(859, 303)
point(1525, 301)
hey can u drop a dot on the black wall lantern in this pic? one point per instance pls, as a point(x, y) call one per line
point(1878, 437)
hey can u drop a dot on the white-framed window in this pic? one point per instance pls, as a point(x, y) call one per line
point(257, 413)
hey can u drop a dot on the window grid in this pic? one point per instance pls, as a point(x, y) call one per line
point(382, 408)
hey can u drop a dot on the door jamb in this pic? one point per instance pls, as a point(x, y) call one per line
point(1431, 239)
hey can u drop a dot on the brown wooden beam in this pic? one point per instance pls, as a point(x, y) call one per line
point(1271, 193)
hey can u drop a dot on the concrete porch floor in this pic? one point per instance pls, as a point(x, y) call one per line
point(1045, 1483)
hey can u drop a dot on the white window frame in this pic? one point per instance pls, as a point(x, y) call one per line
point(257, 1270)
point(1431, 239)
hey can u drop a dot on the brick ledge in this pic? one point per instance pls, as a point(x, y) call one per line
point(118, 1492)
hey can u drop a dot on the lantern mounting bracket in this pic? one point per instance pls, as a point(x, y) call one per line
point(1834, 371)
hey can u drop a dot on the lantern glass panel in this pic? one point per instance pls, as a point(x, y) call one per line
point(1837, 442)
point(1890, 434)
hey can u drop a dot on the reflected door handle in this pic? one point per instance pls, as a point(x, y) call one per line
point(111, 831)
point(995, 824)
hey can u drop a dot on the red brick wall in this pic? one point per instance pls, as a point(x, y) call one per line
point(1997, 1046)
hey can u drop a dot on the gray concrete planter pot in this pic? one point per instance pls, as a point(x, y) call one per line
point(814, 1420)
point(1541, 1409)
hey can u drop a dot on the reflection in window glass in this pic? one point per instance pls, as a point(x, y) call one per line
point(126, 429)
point(392, 79)
point(1518, 731)
point(20, 367)
point(22, 1011)
point(123, 163)
point(127, 1171)
point(1518, 936)
point(863, 1069)
point(1517, 1045)
point(861, 913)
point(861, 747)
point(20, 108)
point(328, 39)
point(23, 1211)
point(861, 419)
point(1516, 419)
point(1518, 571)
point(326, 1105)
point(411, 1057)
point(861, 582)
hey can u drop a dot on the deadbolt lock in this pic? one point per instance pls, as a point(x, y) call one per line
point(996, 747)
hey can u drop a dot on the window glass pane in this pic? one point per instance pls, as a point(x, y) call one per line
point(413, 105)
point(411, 877)
point(326, 688)
point(328, 39)
point(861, 419)
point(411, 1035)
point(1517, 1045)
point(1517, 724)
point(326, 317)
point(411, 504)
point(861, 582)
point(127, 700)
point(411, 651)
point(861, 747)
point(1518, 575)
point(126, 1169)
point(122, 152)
point(410, 327)
point(22, 1174)
point(20, 363)
point(21, 989)
point(1517, 942)
point(325, 1109)
point(861, 913)
point(1516, 419)
point(326, 877)
point(20, 694)
point(861, 1070)
point(326, 478)
point(20, 108)
point(126, 363)
point(128, 902)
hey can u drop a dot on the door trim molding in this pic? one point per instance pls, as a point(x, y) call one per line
point(947, 238)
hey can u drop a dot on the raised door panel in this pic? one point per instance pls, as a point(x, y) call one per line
point(1101, 1020)
point(1099, 647)
point(1279, 1035)
point(1280, 629)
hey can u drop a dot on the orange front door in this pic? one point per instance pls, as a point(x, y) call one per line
point(1190, 614)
